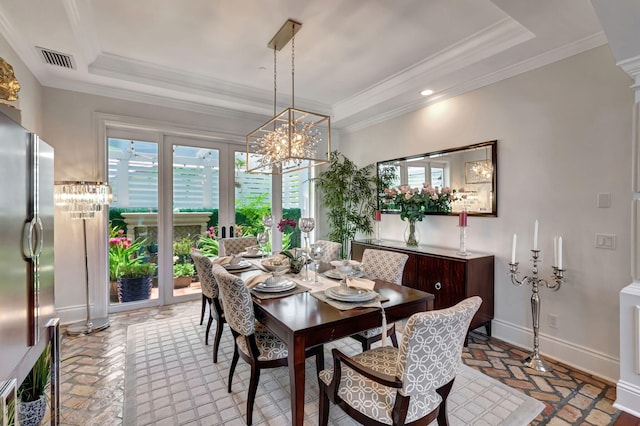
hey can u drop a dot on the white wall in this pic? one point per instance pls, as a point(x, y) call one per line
point(563, 136)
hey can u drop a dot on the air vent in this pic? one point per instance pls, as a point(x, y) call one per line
point(52, 57)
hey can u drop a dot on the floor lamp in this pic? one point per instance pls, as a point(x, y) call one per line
point(81, 200)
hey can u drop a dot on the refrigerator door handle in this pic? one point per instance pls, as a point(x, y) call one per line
point(27, 238)
point(40, 236)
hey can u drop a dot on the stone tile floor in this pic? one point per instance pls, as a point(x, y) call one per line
point(92, 376)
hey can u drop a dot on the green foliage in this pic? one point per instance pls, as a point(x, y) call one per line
point(349, 196)
point(137, 270)
point(183, 270)
point(249, 213)
point(36, 382)
point(208, 245)
point(122, 251)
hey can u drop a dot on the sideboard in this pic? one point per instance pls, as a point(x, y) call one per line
point(442, 272)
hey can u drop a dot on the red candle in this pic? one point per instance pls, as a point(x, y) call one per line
point(462, 219)
point(378, 216)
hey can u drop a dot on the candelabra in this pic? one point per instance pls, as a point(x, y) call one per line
point(534, 361)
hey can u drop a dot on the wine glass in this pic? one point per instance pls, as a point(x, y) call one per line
point(316, 252)
point(263, 239)
point(267, 220)
point(306, 224)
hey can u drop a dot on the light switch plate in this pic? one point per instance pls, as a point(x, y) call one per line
point(604, 200)
point(606, 241)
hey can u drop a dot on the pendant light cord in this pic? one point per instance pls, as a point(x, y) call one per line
point(293, 67)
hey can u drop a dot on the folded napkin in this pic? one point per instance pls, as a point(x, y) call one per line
point(222, 260)
point(361, 283)
point(254, 280)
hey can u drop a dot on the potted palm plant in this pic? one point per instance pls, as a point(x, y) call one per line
point(135, 281)
point(32, 404)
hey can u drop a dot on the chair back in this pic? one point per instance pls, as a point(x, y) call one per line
point(238, 307)
point(237, 245)
point(204, 267)
point(384, 265)
point(431, 347)
point(330, 250)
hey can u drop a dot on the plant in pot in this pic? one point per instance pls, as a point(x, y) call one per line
point(182, 273)
point(182, 249)
point(32, 404)
point(349, 197)
point(122, 251)
point(135, 282)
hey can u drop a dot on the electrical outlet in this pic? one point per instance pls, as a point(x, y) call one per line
point(552, 320)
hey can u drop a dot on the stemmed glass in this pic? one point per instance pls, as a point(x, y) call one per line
point(267, 221)
point(316, 252)
point(307, 224)
point(263, 239)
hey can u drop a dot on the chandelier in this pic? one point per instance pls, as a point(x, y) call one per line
point(294, 139)
point(483, 169)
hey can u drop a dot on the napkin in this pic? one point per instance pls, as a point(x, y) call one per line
point(361, 283)
point(254, 280)
point(222, 260)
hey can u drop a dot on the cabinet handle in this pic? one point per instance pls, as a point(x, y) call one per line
point(438, 286)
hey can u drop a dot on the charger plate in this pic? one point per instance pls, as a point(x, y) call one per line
point(350, 294)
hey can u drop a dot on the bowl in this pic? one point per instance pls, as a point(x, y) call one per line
point(274, 265)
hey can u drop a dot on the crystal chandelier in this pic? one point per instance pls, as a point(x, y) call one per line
point(294, 139)
point(483, 169)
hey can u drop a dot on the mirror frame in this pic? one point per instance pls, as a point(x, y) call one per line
point(493, 145)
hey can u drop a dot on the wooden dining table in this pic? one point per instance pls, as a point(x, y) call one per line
point(302, 321)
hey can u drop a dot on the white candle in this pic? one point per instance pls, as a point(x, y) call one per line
point(555, 251)
point(535, 235)
point(513, 249)
point(560, 253)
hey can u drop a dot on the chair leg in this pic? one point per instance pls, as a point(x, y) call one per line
point(206, 336)
point(394, 338)
point(443, 391)
point(218, 337)
point(323, 414)
point(366, 345)
point(202, 309)
point(319, 362)
point(251, 397)
point(234, 362)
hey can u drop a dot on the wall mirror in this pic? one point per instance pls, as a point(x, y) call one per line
point(472, 168)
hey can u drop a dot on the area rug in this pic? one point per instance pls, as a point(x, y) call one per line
point(170, 379)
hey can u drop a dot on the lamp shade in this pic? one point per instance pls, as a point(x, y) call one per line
point(82, 199)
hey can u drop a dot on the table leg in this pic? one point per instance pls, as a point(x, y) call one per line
point(296, 378)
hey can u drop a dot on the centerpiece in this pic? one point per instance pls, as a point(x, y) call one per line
point(415, 202)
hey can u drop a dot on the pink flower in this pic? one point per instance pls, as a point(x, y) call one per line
point(434, 196)
point(408, 196)
point(446, 190)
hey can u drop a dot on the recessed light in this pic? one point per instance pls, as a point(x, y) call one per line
point(426, 92)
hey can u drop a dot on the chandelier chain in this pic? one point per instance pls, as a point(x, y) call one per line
point(275, 80)
point(293, 65)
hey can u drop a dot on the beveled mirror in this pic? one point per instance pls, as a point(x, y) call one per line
point(472, 169)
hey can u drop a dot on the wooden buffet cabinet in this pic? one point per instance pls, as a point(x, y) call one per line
point(450, 277)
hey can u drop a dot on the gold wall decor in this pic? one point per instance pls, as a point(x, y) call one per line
point(9, 86)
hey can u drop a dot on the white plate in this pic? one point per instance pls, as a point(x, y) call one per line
point(350, 294)
point(250, 256)
point(342, 262)
point(242, 265)
point(334, 274)
point(277, 288)
point(269, 266)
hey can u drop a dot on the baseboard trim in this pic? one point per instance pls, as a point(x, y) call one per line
point(580, 357)
point(627, 395)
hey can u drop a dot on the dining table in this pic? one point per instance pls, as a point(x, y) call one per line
point(302, 320)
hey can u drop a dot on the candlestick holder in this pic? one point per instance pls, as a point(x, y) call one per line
point(534, 361)
point(463, 242)
point(378, 240)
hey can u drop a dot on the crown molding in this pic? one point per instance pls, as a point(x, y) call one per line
point(631, 66)
point(562, 52)
point(81, 19)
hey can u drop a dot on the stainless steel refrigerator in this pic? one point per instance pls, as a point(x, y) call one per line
point(26, 247)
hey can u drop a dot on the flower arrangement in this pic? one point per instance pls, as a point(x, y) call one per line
point(208, 243)
point(415, 202)
point(122, 252)
point(286, 226)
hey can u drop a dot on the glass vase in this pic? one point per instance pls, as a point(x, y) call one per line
point(411, 233)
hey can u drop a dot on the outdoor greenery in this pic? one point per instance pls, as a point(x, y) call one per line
point(137, 270)
point(349, 197)
point(35, 384)
point(122, 251)
point(183, 270)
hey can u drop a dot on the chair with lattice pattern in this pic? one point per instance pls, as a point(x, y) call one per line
point(382, 265)
point(231, 246)
point(254, 343)
point(210, 295)
point(406, 385)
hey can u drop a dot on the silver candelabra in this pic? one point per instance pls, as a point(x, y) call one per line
point(534, 361)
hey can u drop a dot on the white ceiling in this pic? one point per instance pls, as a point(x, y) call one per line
point(359, 60)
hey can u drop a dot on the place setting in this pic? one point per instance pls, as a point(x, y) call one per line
point(234, 263)
point(273, 284)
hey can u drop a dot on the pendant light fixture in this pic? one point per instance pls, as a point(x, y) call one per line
point(294, 139)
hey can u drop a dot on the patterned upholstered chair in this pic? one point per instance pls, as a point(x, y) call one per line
point(406, 385)
point(254, 343)
point(237, 245)
point(382, 265)
point(210, 295)
point(330, 251)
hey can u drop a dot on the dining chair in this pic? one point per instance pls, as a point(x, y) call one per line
point(382, 265)
point(237, 245)
point(406, 385)
point(254, 343)
point(210, 296)
point(330, 252)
